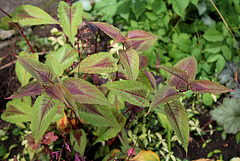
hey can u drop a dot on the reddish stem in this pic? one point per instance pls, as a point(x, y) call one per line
point(69, 3)
point(20, 30)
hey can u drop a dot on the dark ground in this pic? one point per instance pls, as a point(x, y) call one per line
point(9, 84)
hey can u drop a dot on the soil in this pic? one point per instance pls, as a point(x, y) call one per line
point(9, 84)
point(228, 147)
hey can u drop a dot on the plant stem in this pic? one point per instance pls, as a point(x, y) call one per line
point(20, 30)
point(59, 158)
point(169, 138)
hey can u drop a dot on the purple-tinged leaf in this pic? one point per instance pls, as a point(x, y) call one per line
point(43, 112)
point(119, 39)
point(69, 101)
point(151, 78)
point(180, 74)
point(124, 138)
point(143, 61)
point(38, 70)
point(133, 92)
point(189, 65)
point(206, 86)
point(102, 62)
point(54, 92)
point(16, 111)
point(97, 115)
point(106, 133)
point(98, 81)
point(78, 138)
point(70, 17)
point(140, 40)
point(65, 55)
point(178, 120)
point(164, 95)
point(30, 89)
point(110, 30)
point(84, 92)
point(142, 77)
point(7, 23)
point(130, 61)
point(32, 15)
point(22, 75)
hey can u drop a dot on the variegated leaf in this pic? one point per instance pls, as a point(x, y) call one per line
point(32, 15)
point(84, 92)
point(178, 120)
point(97, 115)
point(70, 17)
point(180, 74)
point(106, 133)
point(43, 113)
point(22, 74)
point(30, 89)
point(38, 70)
point(110, 30)
point(130, 61)
point(65, 55)
point(16, 111)
point(140, 40)
point(133, 92)
point(102, 62)
point(189, 65)
point(164, 95)
point(206, 86)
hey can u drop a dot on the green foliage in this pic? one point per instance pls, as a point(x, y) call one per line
point(69, 85)
point(228, 115)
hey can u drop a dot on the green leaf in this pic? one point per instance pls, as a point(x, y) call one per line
point(3, 150)
point(16, 111)
point(130, 60)
point(31, 15)
point(220, 64)
point(43, 113)
point(106, 133)
point(22, 74)
point(138, 8)
point(146, 155)
point(133, 92)
point(102, 62)
point(7, 23)
point(158, 6)
point(84, 92)
point(164, 95)
point(124, 9)
point(195, 2)
point(179, 7)
point(227, 53)
point(78, 138)
point(178, 120)
point(213, 48)
point(55, 65)
point(59, 114)
point(97, 115)
point(228, 115)
point(38, 70)
point(70, 17)
point(213, 35)
point(207, 99)
point(66, 56)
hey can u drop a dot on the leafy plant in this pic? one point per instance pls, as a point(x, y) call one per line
point(228, 115)
point(61, 96)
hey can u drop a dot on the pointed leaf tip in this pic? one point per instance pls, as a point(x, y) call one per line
point(206, 86)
